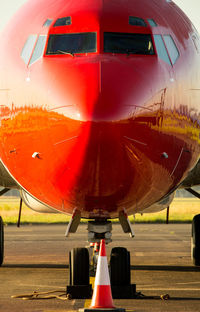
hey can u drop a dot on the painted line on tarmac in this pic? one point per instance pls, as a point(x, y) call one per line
point(188, 283)
point(172, 289)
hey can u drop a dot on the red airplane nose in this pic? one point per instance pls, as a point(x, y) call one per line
point(91, 138)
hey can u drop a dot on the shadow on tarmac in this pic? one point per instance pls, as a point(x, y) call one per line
point(37, 266)
point(134, 267)
point(165, 268)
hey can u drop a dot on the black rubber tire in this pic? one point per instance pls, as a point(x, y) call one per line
point(120, 270)
point(195, 246)
point(1, 241)
point(79, 266)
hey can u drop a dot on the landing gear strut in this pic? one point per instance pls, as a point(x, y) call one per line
point(80, 266)
point(1, 241)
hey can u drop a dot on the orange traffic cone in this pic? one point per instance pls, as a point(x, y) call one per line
point(102, 295)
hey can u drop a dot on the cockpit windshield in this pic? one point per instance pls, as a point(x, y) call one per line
point(128, 43)
point(72, 43)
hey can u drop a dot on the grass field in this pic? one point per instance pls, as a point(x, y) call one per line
point(181, 210)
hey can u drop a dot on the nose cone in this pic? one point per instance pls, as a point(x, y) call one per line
point(103, 94)
point(105, 172)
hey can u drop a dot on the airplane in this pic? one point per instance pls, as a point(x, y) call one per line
point(99, 115)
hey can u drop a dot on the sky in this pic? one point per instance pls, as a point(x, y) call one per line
point(190, 7)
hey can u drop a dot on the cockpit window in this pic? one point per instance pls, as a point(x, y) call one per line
point(128, 43)
point(136, 21)
point(39, 49)
point(63, 21)
point(152, 23)
point(47, 23)
point(172, 48)
point(72, 43)
point(28, 48)
point(161, 49)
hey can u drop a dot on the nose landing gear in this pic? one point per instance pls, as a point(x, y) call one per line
point(81, 267)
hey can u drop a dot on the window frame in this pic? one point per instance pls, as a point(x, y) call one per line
point(66, 52)
point(129, 52)
point(196, 43)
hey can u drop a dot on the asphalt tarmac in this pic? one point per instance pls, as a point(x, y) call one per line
point(36, 259)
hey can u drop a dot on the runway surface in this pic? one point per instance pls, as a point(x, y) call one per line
point(36, 259)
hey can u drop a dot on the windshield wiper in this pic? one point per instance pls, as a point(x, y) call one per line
point(67, 53)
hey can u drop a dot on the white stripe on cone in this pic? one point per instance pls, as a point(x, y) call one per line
point(102, 275)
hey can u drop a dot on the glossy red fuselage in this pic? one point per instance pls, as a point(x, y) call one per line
point(111, 131)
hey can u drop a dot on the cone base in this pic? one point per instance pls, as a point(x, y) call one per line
point(102, 297)
point(101, 310)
